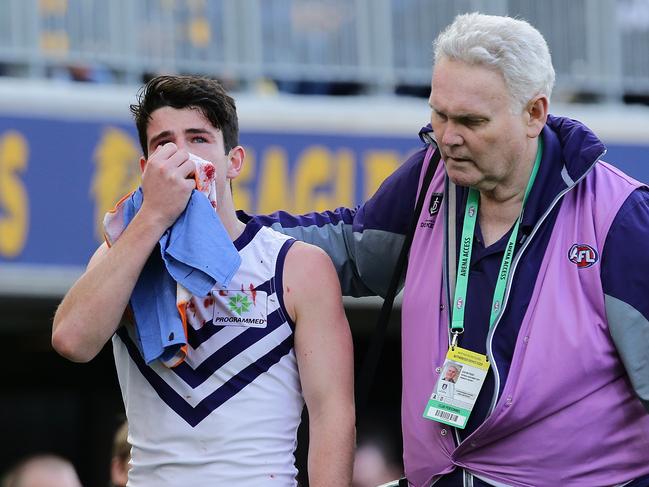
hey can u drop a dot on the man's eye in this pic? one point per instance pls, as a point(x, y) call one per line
point(199, 140)
point(473, 122)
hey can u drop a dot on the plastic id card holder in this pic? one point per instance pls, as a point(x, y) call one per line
point(457, 388)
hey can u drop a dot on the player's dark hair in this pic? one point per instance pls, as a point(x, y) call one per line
point(204, 94)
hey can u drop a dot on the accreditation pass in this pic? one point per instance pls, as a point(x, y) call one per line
point(457, 388)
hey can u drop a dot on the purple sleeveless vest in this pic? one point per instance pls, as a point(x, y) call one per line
point(567, 414)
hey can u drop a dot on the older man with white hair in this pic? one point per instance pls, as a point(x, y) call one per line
point(532, 274)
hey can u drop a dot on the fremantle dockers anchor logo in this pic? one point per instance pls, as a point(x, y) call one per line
point(582, 255)
point(435, 203)
point(433, 210)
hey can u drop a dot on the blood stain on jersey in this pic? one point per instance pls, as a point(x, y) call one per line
point(190, 306)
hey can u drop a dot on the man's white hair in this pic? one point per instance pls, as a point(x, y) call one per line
point(511, 46)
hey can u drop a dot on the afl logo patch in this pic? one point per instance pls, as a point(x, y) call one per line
point(582, 255)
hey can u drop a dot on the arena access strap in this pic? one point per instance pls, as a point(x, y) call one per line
point(373, 355)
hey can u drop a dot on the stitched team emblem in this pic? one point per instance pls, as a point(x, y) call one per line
point(582, 255)
point(435, 203)
point(239, 303)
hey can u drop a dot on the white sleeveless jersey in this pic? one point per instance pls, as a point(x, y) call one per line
point(229, 414)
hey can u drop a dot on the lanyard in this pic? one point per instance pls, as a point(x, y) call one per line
point(466, 246)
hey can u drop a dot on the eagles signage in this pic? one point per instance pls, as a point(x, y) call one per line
point(59, 177)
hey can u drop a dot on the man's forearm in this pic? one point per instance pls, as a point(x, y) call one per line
point(92, 310)
point(332, 438)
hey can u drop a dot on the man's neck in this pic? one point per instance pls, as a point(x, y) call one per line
point(496, 218)
point(501, 206)
point(231, 223)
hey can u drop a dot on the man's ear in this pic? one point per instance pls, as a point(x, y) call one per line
point(235, 161)
point(142, 163)
point(536, 113)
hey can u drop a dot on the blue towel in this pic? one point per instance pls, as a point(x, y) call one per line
point(196, 252)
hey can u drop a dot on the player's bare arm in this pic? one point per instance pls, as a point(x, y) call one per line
point(91, 311)
point(323, 346)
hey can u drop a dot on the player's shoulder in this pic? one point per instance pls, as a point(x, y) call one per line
point(309, 270)
point(310, 281)
point(304, 258)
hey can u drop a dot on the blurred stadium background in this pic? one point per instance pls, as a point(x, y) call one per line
point(331, 94)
